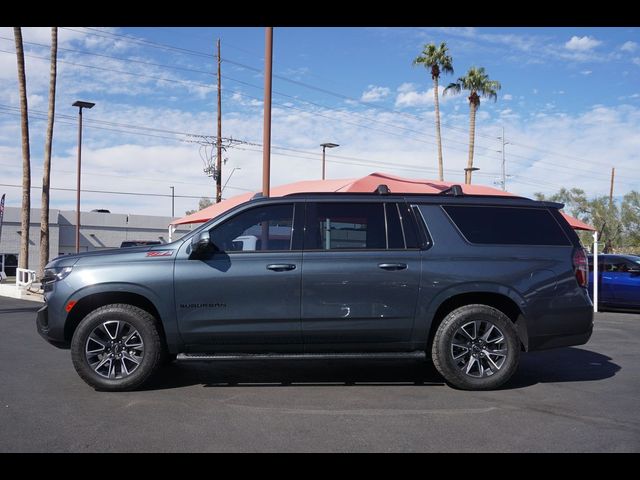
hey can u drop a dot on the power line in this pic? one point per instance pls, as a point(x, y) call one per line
point(84, 52)
point(132, 39)
point(123, 72)
point(110, 192)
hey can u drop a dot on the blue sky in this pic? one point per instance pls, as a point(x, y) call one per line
point(569, 104)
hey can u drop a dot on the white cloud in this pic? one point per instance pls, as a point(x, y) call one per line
point(507, 97)
point(586, 72)
point(629, 46)
point(582, 44)
point(375, 93)
point(636, 60)
point(408, 96)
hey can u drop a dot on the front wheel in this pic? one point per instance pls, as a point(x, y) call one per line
point(476, 347)
point(116, 347)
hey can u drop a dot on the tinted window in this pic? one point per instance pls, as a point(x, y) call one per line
point(339, 226)
point(507, 225)
point(262, 228)
point(619, 265)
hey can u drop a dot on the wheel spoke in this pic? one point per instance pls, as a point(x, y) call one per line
point(112, 332)
point(131, 358)
point(464, 349)
point(94, 340)
point(493, 364)
point(463, 330)
point(136, 337)
point(502, 352)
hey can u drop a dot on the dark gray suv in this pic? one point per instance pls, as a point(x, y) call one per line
point(469, 281)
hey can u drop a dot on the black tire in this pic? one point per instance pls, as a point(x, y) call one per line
point(132, 318)
point(482, 370)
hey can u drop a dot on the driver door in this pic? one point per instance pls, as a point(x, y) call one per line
point(245, 295)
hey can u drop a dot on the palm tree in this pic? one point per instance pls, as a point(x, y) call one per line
point(436, 59)
point(477, 82)
point(46, 176)
point(23, 261)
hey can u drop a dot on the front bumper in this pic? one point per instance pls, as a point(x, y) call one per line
point(42, 324)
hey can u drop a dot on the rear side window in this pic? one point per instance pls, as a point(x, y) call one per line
point(353, 226)
point(507, 225)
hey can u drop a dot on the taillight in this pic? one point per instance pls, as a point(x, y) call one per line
point(581, 267)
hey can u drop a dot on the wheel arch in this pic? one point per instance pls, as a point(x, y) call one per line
point(503, 301)
point(92, 301)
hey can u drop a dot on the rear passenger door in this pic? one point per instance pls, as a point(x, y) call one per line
point(359, 280)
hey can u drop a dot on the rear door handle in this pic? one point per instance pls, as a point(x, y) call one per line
point(392, 266)
point(281, 267)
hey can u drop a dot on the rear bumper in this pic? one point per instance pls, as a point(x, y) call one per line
point(555, 341)
point(42, 324)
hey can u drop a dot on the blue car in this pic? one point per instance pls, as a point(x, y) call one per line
point(618, 281)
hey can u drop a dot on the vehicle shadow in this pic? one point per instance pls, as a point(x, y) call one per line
point(562, 365)
point(552, 366)
point(316, 373)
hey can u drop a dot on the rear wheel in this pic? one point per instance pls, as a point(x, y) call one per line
point(476, 347)
point(116, 347)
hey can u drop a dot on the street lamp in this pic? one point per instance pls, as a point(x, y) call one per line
point(229, 178)
point(80, 106)
point(467, 174)
point(324, 147)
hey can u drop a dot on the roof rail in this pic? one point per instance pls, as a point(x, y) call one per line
point(455, 190)
point(382, 189)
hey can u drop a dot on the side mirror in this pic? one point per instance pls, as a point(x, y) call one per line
point(201, 243)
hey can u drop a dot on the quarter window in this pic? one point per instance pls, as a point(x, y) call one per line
point(507, 225)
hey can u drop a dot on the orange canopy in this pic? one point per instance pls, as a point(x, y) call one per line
point(358, 185)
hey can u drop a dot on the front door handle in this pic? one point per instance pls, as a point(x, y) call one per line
point(281, 267)
point(392, 266)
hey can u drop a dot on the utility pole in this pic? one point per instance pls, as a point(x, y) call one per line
point(266, 132)
point(613, 174)
point(219, 141)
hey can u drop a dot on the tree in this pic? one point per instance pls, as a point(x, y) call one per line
point(46, 175)
point(437, 60)
point(23, 261)
point(202, 204)
point(630, 216)
point(618, 227)
point(478, 84)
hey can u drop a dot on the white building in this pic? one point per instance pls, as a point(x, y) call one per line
point(98, 231)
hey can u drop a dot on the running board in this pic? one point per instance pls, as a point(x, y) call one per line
point(419, 355)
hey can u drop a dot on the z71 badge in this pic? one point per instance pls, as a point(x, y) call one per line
point(160, 253)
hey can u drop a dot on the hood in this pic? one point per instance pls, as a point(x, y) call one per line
point(70, 260)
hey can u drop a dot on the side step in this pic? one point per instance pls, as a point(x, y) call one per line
point(417, 355)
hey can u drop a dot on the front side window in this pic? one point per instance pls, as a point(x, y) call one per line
point(267, 228)
point(345, 226)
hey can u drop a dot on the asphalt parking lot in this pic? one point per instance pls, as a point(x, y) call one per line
point(580, 399)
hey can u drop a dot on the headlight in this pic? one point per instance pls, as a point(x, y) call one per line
point(55, 274)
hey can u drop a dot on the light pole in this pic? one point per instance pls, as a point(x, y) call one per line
point(80, 106)
point(324, 147)
point(467, 174)
point(229, 178)
point(173, 196)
